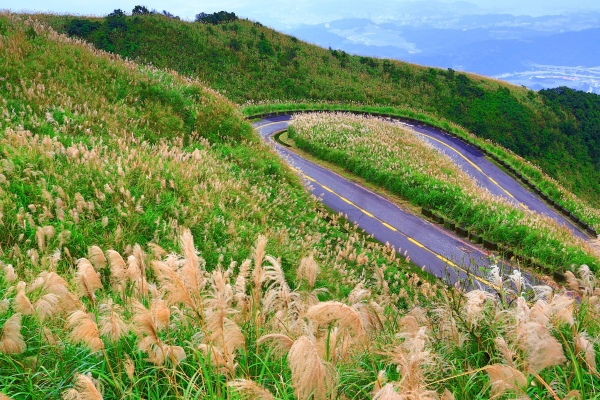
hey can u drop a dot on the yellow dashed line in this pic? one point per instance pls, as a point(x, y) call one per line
point(475, 166)
point(368, 214)
point(389, 226)
point(410, 239)
point(415, 242)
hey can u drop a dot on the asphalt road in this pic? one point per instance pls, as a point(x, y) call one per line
point(439, 251)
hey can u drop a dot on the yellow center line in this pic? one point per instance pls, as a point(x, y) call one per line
point(410, 239)
point(474, 166)
point(392, 228)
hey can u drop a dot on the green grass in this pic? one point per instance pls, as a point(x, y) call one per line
point(105, 158)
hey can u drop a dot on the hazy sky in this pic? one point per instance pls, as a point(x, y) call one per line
point(284, 13)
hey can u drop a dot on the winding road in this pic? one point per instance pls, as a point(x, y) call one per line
point(439, 251)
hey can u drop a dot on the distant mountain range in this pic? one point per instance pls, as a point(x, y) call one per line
point(520, 49)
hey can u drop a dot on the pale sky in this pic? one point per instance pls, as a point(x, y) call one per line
point(285, 13)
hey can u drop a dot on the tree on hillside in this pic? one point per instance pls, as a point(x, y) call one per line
point(169, 15)
point(140, 10)
point(216, 18)
point(116, 20)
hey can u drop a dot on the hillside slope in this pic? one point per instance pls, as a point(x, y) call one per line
point(100, 151)
point(248, 62)
point(139, 216)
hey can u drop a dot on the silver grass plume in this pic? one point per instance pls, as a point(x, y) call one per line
point(308, 270)
point(505, 378)
point(311, 377)
point(250, 390)
point(11, 339)
point(88, 280)
point(84, 330)
point(84, 389)
point(111, 322)
point(118, 271)
point(96, 257)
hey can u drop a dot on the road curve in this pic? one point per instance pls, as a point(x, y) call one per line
point(437, 250)
point(489, 175)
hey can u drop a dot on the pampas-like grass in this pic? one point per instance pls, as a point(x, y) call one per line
point(447, 395)
point(157, 251)
point(191, 274)
point(250, 390)
point(507, 353)
point(345, 317)
point(84, 389)
point(84, 330)
point(4, 305)
point(504, 378)
point(572, 282)
point(239, 289)
point(150, 343)
point(96, 257)
point(411, 357)
point(111, 322)
point(9, 273)
point(138, 273)
point(11, 340)
point(281, 343)
point(118, 271)
point(160, 313)
point(308, 270)
point(533, 335)
point(22, 304)
point(224, 364)
point(284, 304)
point(311, 378)
point(177, 292)
point(42, 233)
point(46, 306)
point(561, 308)
point(380, 382)
point(88, 280)
point(129, 367)
point(148, 333)
point(584, 345)
point(388, 392)
point(543, 349)
point(257, 272)
point(52, 283)
point(475, 305)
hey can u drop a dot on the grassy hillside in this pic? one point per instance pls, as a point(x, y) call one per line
point(249, 62)
point(152, 248)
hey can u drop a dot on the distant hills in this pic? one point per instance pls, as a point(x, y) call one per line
point(501, 45)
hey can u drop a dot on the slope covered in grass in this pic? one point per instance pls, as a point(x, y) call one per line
point(248, 62)
point(152, 248)
point(99, 151)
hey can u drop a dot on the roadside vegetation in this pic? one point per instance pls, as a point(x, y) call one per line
point(395, 158)
point(151, 247)
point(250, 63)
